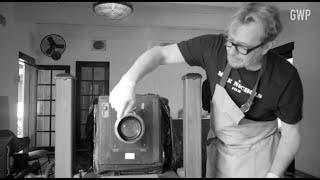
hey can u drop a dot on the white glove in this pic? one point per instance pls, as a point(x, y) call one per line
point(122, 97)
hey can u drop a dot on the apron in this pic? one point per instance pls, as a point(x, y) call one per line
point(237, 146)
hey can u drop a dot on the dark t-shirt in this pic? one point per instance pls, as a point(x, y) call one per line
point(279, 93)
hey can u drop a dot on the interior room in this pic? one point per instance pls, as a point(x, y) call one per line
point(93, 50)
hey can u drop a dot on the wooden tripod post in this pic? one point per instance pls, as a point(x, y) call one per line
point(65, 124)
point(192, 161)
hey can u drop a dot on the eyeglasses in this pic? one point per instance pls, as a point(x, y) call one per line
point(242, 49)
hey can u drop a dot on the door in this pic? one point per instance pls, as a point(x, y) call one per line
point(92, 81)
point(45, 105)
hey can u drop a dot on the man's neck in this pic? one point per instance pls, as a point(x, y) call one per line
point(255, 66)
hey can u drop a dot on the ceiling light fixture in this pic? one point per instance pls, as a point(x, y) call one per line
point(113, 10)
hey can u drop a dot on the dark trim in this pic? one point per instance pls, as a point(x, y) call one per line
point(46, 84)
point(54, 67)
point(46, 100)
point(46, 131)
point(26, 59)
point(46, 115)
point(92, 63)
point(93, 80)
point(50, 111)
point(30, 60)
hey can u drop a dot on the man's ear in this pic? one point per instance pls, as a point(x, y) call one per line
point(267, 47)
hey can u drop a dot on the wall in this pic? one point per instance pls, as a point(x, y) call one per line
point(14, 37)
point(9, 68)
point(305, 35)
point(124, 45)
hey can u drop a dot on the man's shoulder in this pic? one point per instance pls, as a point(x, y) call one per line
point(280, 61)
point(281, 67)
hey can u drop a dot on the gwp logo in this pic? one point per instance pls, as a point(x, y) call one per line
point(299, 14)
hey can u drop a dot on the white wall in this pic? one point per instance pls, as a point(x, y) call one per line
point(9, 66)
point(124, 45)
point(306, 39)
point(305, 35)
point(14, 37)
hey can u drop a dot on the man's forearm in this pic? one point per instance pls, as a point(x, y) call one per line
point(287, 149)
point(145, 63)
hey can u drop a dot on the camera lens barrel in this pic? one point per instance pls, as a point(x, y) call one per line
point(130, 128)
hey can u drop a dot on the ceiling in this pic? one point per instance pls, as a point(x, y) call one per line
point(192, 15)
point(159, 4)
point(280, 5)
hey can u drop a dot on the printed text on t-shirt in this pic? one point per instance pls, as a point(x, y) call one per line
point(238, 87)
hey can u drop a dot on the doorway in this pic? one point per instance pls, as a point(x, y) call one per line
point(286, 52)
point(92, 82)
point(45, 105)
point(26, 96)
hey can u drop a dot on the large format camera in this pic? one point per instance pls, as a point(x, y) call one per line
point(138, 142)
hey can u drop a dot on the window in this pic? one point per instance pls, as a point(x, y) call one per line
point(20, 108)
point(26, 96)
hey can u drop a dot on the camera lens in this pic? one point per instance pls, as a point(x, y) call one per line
point(130, 128)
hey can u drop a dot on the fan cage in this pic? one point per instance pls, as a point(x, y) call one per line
point(45, 45)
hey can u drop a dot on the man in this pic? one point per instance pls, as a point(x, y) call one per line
point(251, 86)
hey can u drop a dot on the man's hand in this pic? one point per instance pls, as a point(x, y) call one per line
point(122, 97)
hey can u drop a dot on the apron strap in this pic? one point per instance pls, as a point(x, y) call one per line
point(246, 106)
point(225, 75)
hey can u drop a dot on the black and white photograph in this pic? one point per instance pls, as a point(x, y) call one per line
point(159, 89)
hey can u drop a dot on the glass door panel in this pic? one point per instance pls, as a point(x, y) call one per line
point(92, 81)
point(86, 73)
point(99, 73)
point(98, 88)
point(45, 116)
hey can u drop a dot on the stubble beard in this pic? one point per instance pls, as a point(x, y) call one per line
point(236, 63)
